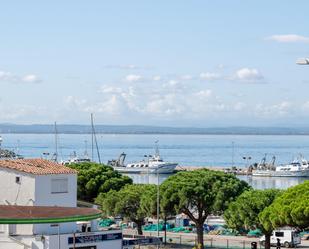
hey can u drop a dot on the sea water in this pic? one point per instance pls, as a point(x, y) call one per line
point(187, 150)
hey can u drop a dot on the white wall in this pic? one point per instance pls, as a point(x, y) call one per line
point(22, 193)
point(14, 193)
point(69, 227)
point(44, 197)
point(36, 190)
point(52, 242)
point(7, 243)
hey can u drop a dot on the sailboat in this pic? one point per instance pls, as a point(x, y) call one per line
point(74, 158)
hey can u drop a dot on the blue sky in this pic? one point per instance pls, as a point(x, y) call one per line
point(179, 63)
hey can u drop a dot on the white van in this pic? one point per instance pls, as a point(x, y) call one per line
point(288, 238)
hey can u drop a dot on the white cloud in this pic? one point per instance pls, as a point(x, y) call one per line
point(305, 106)
point(186, 77)
point(74, 102)
point(19, 113)
point(156, 78)
point(133, 78)
point(6, 76)
point(248, 74)
point(209, 76)
point(173, 82)
point(31, 78)
point(276, 110)
point(289, 38)
point(204, 93)
point(167, 105)
point(113, 106)
point(11, 77)
point(110, 89)
point(126, 67)
point(239, 106)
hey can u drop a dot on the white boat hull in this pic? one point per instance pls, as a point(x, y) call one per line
point(166, 169)
point(298, 173)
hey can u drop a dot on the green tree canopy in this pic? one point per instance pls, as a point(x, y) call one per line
point(289, 209)
point(243, 213)
point(130, 202)
point(94, 179)
point(200, 193)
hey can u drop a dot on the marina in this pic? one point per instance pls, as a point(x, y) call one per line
point(163, 124)
point(186, 150)
point(256, 182)
point(191, 152)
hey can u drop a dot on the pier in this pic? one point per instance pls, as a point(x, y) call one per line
point(234, 170)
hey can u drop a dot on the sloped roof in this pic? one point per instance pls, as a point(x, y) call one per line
point(36, 166)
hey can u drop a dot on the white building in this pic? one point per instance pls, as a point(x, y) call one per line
point(42, 183)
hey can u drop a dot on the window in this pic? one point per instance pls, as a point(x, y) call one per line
point(59, 185)
point(17, 179)
point(279, 234)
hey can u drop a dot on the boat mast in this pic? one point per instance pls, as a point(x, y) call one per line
point(94, 140)
point(233, 153)
point(157, 149)
point(86, 152)
point(56, 142)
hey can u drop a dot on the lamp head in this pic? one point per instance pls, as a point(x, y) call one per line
point(302, 61)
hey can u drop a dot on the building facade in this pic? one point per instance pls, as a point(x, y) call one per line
point(38, 182)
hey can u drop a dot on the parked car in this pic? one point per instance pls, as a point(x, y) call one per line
point(287, 237)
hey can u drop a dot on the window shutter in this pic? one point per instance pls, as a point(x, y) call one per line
point(59, 185)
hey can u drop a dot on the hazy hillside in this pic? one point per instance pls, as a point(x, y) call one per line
point(138, 129)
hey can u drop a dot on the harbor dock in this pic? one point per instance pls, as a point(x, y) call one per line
point(234, 170)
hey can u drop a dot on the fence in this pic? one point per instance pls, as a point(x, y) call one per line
point(209, 242)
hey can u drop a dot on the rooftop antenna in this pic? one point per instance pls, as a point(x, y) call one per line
point(94, 140)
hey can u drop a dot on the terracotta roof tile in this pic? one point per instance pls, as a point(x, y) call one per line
point(36, 166)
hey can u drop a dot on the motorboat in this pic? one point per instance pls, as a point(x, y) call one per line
point(151, 164)
point(154, 164)
point(74, 158)
point(297, 168)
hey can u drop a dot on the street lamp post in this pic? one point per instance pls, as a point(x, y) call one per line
point(158, 202)
point(247, 158)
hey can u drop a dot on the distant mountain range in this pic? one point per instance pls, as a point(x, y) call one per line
point(141, 129)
